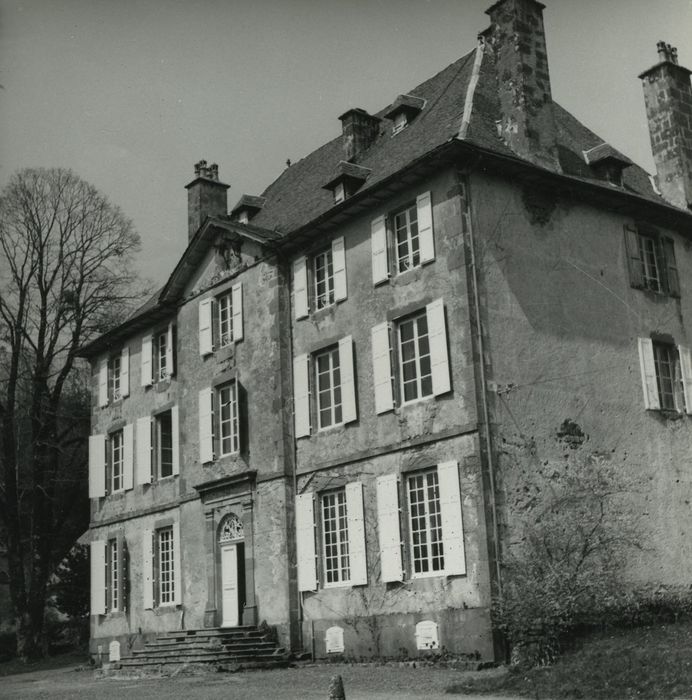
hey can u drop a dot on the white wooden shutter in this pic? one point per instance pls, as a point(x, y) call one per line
point(388, 528)
point(175, 427)
point(237, 304)
point(170, 354)
point(97, 466)
point(206, 343)
point(648, 370)
point(144, 475)
point(349, 410)
point(305, 542)
point(439, 359)
point(98, 577)
point(425, 227)
point(301, 395)
point(103, 383)
point(148, 569)
point(450, 514)
point(300, 287)
point(128, 456)
point(146, 379)
point(125, 372)
point(382, 368)
point(686, 372)
point(206, 425)
point(378, 242)
point(339, 267)
point(356, 534)
point(177, 566)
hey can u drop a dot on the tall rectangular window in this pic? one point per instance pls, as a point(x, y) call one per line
point(161, 346)
point(225, 314)
point(164, 444)
point(227, 401)
point(414, 358)
point(337, 567)
point(116, 455)
point(650, 257)
point(114, 370)
point(113, 575)
point(323, 276)
point(671, 390)
point(425, 522)
point(406, 238)
point(328, 382)
point(165, 565)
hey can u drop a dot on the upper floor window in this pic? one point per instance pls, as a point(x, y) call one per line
point(219, 421)
point(400, 122)
point(416, 345)
point(666, 371)
point(402, 240)
point(111, 462)
point(158, 356)
point(328, 393)
point(114, 377)
point(227, 400)
point(163, 424)
point(651, 258)
point(116, 460)
point(157, 455)
point(221, 320)
point(320, 280)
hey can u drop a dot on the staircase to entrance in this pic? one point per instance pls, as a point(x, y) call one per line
point(231, 648)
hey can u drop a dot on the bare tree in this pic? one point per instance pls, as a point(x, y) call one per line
point(65, 274)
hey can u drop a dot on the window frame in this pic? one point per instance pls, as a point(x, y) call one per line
point(339, 530)
point(393, 227)
point(114, 378)
point(157, 444)
point(116, 442)
point(399, 123)
point(330, 352)
point(160, 560)
point(221, 312)
point(672, 397)
point(651, 260)
point(113, 573)
point(233, 420)
point(429, 558)
point(329, 295)
point(417, 360)
point(160, 352)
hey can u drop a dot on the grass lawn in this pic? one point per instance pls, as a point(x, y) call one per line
point(648, 662)
point(70, 659)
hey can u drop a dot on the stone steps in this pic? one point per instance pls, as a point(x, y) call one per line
point(232, 648)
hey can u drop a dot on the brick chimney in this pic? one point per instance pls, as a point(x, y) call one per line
point(359, 130)
point(206, 196)
point(668, 99)
point(517, 39)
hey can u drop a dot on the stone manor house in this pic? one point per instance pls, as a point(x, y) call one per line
point(309, 424)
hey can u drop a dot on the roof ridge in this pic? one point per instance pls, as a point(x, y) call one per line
point(471, 90)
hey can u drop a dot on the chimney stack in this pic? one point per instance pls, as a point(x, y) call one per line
point(517, 39)
point(668, 99)
point(206, 196)
point(359, 130)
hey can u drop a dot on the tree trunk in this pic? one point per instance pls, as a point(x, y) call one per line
point(30, 644)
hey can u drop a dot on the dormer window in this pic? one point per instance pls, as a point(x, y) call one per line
point(248, 205)
point(339, 193)
point(347, 180)
point(243, 217)
point(404, 111)
point(607, 163)
point(400, 123)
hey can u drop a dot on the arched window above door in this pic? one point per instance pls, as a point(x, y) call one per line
point(231, 529)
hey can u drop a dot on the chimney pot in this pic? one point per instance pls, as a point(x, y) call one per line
point(206, 196)
point(359, 130)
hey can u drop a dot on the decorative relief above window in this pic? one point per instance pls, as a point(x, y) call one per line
point(231, 529)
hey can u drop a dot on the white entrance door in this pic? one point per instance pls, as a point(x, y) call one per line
point(229, 585)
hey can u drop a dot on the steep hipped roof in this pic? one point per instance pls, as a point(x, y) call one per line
point(460, 108)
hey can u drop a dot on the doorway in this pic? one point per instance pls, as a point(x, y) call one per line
point(231, 571)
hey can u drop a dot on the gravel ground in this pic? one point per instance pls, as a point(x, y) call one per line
point(306, 683)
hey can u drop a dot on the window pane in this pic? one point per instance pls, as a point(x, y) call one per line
point(425, 523)
point(165, 444)
point(335, 535)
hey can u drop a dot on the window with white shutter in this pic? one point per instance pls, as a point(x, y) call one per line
point(425, 227)
point(206, 425)
point(349, 408)
point(177, 566)
point(99, 604)
point(378, 242)
point(147, 569)
point(125, 372)
point(204, 311)
point(301, 395)
point(388, 528)
point(170, 351)
point(382, 368)
point(143, 456)
point(356, 534)
point(339, 261)
point(439, 359)
point(666, 375)
point(237, 297)
point(648, 372)
point(175, 439)
point(146, 361)
point(451, 515)
point(305, 542)
point(128, 456)
point(103, 382)
point(97, 466)
point(300, 287)
point(686, 371)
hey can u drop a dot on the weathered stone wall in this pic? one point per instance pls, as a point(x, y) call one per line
point(561, 323)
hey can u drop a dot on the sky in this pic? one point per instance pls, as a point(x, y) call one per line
point(131, 93)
